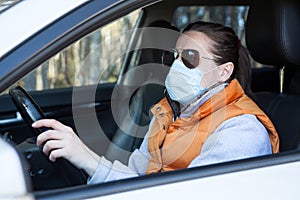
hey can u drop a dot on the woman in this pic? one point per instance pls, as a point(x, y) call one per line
point(205, 118)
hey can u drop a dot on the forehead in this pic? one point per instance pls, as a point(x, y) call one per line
point(195, 40)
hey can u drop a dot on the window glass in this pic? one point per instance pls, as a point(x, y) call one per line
point(6, 4)
point(93, 59)
point(233, 16)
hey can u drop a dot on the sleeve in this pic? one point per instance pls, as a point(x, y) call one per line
point(240, 137)
point(137, 165)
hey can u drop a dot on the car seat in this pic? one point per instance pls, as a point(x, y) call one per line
point(126, 141)
point(272, 37)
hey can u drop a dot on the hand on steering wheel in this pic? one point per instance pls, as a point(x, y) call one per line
point(61, 141)
point(54, 174)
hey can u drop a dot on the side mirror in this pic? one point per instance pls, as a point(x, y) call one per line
point(14, 182)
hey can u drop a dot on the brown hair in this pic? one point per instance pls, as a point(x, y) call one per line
point(226, 47)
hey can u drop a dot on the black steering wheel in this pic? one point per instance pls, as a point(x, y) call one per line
point(44, 173)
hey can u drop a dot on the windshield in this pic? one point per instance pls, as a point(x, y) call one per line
point(5, 4)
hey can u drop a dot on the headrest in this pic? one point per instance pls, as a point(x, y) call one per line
point(273, 32)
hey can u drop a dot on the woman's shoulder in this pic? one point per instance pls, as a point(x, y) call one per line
point(244, 129)
point(242, 121)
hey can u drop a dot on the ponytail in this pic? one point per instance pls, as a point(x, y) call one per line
point(243, 73)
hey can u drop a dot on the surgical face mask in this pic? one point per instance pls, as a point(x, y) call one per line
point(183, 84)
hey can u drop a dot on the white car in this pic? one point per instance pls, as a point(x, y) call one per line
point(95, 66)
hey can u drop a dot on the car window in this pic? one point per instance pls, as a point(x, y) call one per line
point(6, 4)
point(233, 16)
point(91, 60)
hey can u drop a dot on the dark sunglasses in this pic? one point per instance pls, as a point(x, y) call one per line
point(189, 57)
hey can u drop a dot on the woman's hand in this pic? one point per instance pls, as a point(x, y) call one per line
point(61, 141)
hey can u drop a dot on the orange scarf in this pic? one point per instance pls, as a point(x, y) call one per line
point(173, 145)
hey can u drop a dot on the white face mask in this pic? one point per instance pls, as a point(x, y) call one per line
point(183, 84)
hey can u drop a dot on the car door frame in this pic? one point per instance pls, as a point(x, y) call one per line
point(33, 57)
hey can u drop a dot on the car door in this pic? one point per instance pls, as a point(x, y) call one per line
point(83, 105)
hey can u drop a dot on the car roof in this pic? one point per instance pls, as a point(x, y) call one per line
point(28, 17)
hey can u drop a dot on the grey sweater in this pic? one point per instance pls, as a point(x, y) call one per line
point(237, 138)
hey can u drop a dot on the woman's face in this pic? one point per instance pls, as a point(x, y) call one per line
point(200, 42)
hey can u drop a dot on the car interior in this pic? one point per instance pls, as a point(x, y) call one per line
point(279, 50)
point(271, 36)
point(275, 88)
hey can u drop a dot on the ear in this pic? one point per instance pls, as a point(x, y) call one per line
point(225, 71)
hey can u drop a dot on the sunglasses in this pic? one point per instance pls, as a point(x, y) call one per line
point(189, 57)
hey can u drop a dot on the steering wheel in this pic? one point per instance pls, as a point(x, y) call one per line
point(44, 173)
